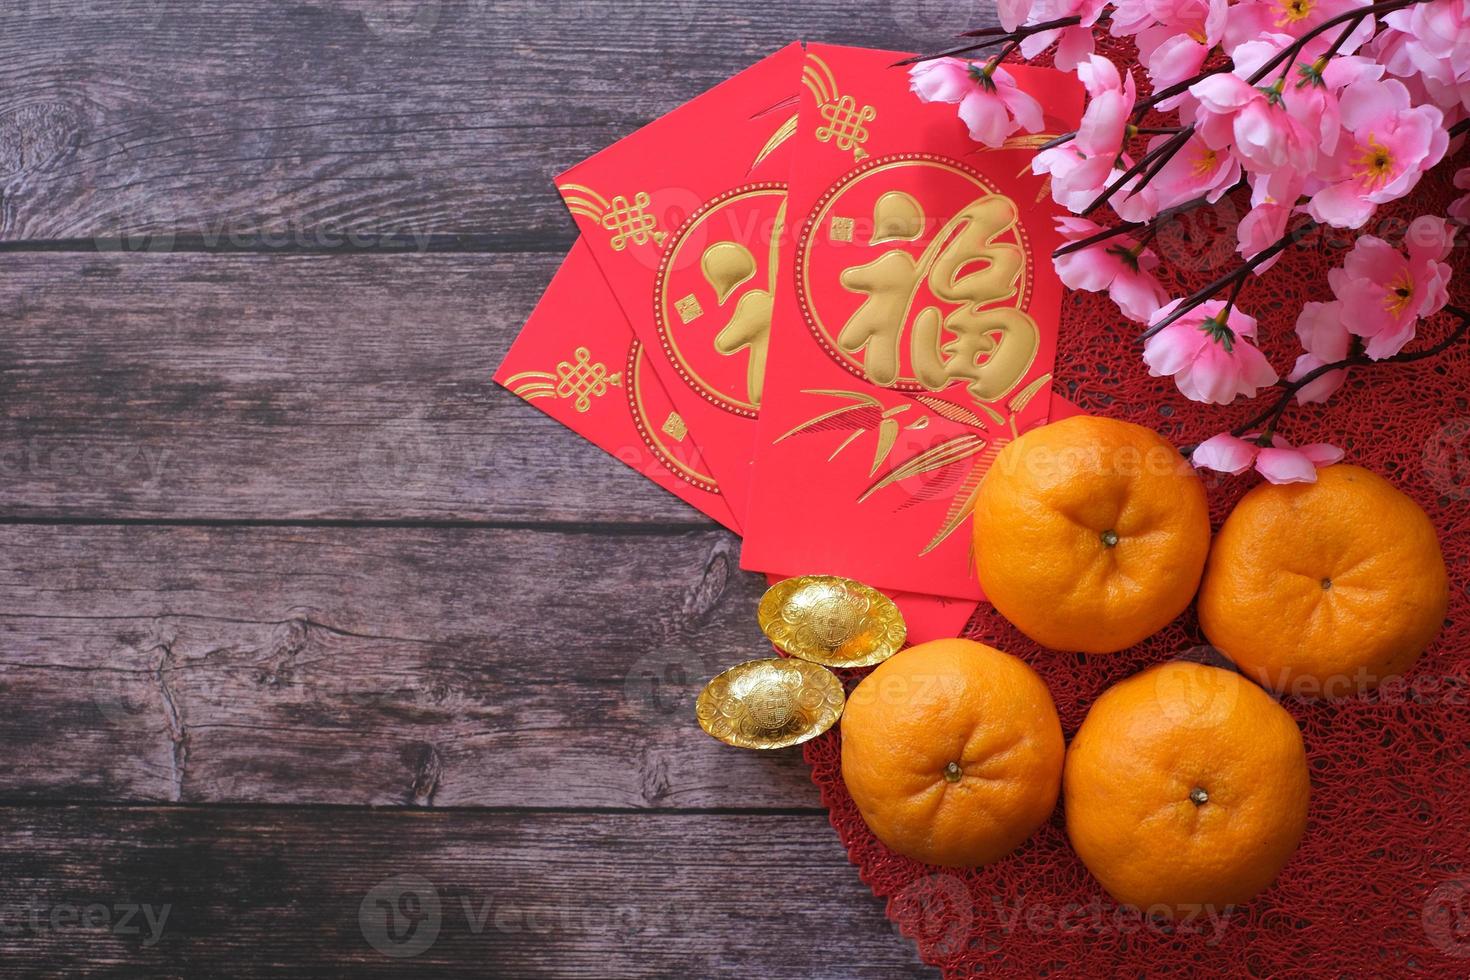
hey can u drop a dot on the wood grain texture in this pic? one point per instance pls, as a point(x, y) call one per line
point(441, 604)
point(287, 124)
point(448, 667)
point(220, 387)
point(298, 893)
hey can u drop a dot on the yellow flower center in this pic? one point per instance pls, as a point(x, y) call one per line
point(1293, 11)
point(1204, 164)
point(1399, 294)
point(1374, 165)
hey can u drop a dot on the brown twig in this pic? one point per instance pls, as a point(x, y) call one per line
point(1202, 295)
point(1272, 416)
point(1123, 228)
point(994, 40)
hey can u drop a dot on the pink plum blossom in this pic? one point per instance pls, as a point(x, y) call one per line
point(1176, 38)
point(991, 105)
point(1076, 178)
point(1313, 89)
point(1436, 40)
point(1012, 13)
point(1274, 198)
point(1387, 146)
point(1119, 265)
point(1111, 97)
point(1385, 292)
point(1208, 353)
point(1278, 462)
point(1325, 340)
point(1195, 171)
point(1253, 122)
point(1250, 19)
point(1073, 43)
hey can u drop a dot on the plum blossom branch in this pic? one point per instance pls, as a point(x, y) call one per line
point(1233, 277)
point(1288, 54)
point(995, 39)
point(1270, 417)
point(1147, 168)
point(1152, 226)
point(1328, 113)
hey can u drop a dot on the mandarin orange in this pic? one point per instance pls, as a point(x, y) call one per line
point(1185, 789)
point(952, 752)
point(1325, 589)
point(1090, 534)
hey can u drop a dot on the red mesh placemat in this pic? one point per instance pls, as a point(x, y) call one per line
point(1381, 883)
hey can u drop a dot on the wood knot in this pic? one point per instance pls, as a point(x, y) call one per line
point(427, 767)
point(36, 137)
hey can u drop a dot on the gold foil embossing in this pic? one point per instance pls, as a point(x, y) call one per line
point(897, 217)
point(721, 257)
point(992, 348)
point(936, 294)
point(580, 379)
point(628, 220)
point(674, 426)
point(861, 415)
point(689, 309)
point(844, 121)
point(727, 266)
point(675, 458)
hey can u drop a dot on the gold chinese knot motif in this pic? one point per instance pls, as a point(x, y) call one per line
point(939, 273)
point(580, 379)
point(629, 221)
point(845, 122)
point(715, 295)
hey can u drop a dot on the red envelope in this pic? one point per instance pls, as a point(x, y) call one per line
point(684, 218)
point(578, 361)
point(914, 328)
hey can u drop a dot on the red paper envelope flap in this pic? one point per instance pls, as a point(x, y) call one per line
point(578, 361)
point(685, 218)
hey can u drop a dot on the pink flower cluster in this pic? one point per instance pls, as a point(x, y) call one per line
point(1325, 109)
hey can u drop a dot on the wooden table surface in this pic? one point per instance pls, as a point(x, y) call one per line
point(314, 641)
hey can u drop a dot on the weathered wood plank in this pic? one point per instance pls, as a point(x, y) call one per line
point(277, 122)
point(194, 386)
point(309, 894)
point(447, 667)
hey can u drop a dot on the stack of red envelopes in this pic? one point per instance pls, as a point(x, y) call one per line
point(811, 306)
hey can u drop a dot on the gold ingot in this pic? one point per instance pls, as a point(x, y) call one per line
point(832, 621)
point(770, 704)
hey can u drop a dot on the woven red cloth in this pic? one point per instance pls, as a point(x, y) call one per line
point(1381, 883)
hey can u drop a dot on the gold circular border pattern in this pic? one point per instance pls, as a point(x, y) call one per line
point(644, 425)
point(818, 216)
point(686, 371)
